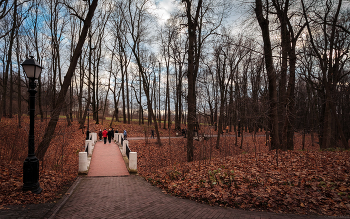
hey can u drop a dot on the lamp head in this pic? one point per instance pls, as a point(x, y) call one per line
point(32, 68)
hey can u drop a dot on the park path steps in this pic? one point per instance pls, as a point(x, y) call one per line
point(107, 160)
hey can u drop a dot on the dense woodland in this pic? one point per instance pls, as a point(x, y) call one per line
point(278, 66)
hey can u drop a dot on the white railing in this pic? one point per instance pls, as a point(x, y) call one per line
point(132, 156)
point(85, 157)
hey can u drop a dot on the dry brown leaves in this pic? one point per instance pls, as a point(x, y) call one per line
point(58, 169)
point(303, 182)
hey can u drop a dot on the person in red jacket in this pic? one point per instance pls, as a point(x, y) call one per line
point(104, 134)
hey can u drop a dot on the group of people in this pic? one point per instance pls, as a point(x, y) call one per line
point(109, 134)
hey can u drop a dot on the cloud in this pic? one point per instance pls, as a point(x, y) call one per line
point(163, 8)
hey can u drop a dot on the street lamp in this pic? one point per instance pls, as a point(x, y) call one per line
point(88, 129)
point(31, 163)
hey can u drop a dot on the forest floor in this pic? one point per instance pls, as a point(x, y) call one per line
point(250, 177)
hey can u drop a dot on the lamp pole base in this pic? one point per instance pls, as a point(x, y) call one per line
point(31, 175)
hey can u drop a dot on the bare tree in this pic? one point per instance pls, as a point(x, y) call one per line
point(49, 132)
point(135, 17)
point(329, 50)
point(271, 73)
point(3, 110)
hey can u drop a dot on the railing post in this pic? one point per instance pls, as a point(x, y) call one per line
point(82, 162)
point(133, 162)
point(89, 147)
point(116, 137)
point(91, 137)
point(124, 147)
point(120, 135)
point(94, 137)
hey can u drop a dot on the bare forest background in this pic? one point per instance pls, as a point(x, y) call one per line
point(278, 66)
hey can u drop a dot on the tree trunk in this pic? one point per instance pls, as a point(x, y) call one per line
point(19, 93)
point(271, 74)
point(11, 92)
point(193, 61)
point(9, 60)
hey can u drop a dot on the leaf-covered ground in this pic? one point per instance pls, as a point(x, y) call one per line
point(60, 165)
point(57, 170)
point(251, 177)
point(303, 182)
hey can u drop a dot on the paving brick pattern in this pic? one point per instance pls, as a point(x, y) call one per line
point(132, 197)
point(25, 211)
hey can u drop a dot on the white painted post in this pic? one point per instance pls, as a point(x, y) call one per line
point(116, 137)
point(133, 162)
point(82, 162)
point(124, 147)
point(86, 144)
point(90, 147)
point(120, 135)
point(94, 137)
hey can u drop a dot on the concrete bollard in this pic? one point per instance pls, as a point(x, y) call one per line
point(116, 137)
point(83, 162)
point(121, 135)
point(90, 147)
point(125, 142)
point(94, 137)
point(133, 162)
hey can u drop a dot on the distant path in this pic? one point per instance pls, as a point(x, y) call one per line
point(107, 161)
point(225, 135)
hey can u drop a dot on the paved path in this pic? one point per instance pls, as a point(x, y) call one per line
point(107, 160)
point(213, 136)
point(133, 197)
point(130, 196)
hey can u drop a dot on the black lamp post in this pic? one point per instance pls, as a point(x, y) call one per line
point(31, 163)
point(88, 129)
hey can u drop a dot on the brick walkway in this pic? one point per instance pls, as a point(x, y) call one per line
point(133, 197)
point(107, 193)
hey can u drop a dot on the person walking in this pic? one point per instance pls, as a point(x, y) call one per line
point(100, 134)
point(152, 133)
point(110, 134)
point(104, 134)
point(125, 134)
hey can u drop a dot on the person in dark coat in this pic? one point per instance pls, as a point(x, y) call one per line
point(152, 133)
point(110, 134)
point(104, 134)
point(100, 134)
